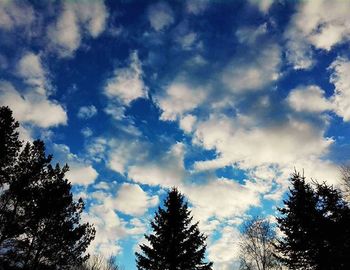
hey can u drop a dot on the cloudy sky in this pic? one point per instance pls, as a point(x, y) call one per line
point(220, 98)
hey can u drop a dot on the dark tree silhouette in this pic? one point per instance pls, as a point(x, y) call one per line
point(9, 144)
point(316, 223)
point(176, 243)
point(40, 221)
point(258, 246)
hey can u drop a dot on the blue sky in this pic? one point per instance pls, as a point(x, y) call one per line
point(222, 99)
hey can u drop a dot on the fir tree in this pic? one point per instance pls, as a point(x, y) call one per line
point(40, 221)
point(176, 243)
point(316, 225)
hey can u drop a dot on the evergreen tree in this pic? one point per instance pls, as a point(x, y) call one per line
point(9, 144)
point(316, 225)
point(176, 243)
point(40, 221)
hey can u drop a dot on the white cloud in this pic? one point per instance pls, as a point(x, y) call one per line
point(196, 6)
point(250, 35)
point(132, 200)
point(168, 171)
point(76, 19)
point(87, 132)
point(30, 68)
point(237, 140)
point(102, 185)
point(80, 172)
point(253, 73)
point(322, 24)
point(87, 112)
point(127, 84)
point(224, 252)
point(160, 15)
point(263, 5)
point(29, 107)
point(109, 230)
point(123, 153)
point(187, 123)
point(341, 80)
point(236, 197)
point(187, 40)
point(15, 14)
point(309, 99)
point(178, 99)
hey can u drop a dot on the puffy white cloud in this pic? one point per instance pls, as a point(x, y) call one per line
point(127, 84)
point(132, 200)
point(321, 24)
point(124, 153)
point(30, 68)
point(178, 99)
point(236, 197)
point(109, 230)
point(80, 172)
point(160, 15)
point(224, 252)
point(77, 18)
point(341, 80)
point(253, 73)
point(168, 171)
point(87, 112)
point(187, 123)
point(237, 140)
point(15, 14)
point(29, 107)
point(310, 99)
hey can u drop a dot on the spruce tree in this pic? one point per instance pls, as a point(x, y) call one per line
point(176, 243)
point(315, 222)
point(40, 222)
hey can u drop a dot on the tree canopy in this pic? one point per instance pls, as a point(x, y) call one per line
point(315, 222)
point(176, 243)
point(40, 222)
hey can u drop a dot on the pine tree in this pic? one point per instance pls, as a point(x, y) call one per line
point(40, 221)
point(176, 243)
point(9, 144)
point(316, 225)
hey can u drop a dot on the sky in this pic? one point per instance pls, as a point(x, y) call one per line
point(222, 99)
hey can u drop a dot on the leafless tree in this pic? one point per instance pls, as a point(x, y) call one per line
point(99, 262)
point(257, 246)
point(345, 180)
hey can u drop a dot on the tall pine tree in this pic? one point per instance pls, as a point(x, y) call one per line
point(315, 222)
point(40, 222)
point(176, 243)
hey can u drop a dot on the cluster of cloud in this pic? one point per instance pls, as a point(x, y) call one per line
point(316, 24)
point(160, 16)
point(76, 19)
point(15, 14)
point(86, 112)
point(313, 99)
point(125, 86)
point(81, 172)
point(110, 199)
point(29, 104)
